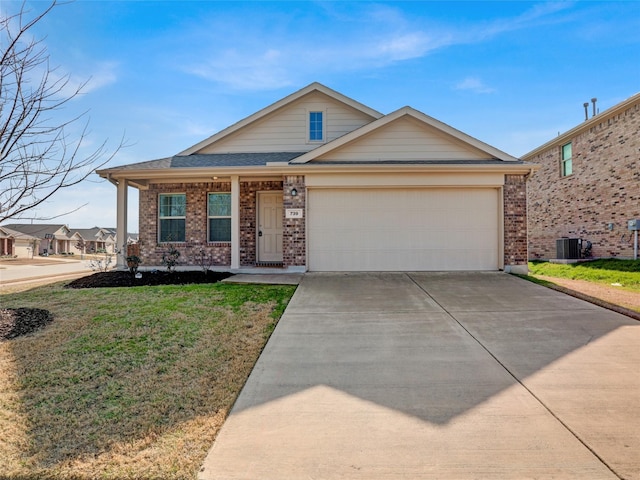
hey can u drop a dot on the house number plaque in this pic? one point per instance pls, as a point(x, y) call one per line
point(294, 213)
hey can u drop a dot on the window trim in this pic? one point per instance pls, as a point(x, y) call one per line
point(209, 217)
point(181, 217)
point(566, 161)
point(323, 125)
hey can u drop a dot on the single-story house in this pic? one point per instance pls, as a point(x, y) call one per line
point(54, 238)
point(96, 239)
point(588, 186)
point(17, 244)
point(320, 182)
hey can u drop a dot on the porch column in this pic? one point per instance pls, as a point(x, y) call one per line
point(121, 224)
point(235, 222)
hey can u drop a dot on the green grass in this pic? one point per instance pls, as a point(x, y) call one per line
point(128, 382)
point(606, 271)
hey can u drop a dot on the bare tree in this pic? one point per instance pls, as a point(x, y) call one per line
point(38, 156)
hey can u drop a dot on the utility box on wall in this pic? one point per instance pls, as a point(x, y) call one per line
point(634, 224)
point(568, 248)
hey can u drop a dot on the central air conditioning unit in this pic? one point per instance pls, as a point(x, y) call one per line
point(568, 248)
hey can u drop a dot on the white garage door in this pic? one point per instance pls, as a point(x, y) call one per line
point(434, 229)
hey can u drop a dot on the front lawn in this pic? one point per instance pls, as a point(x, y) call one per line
point(128, 382)
point(622, 273)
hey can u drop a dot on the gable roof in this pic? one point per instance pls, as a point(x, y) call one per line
point(492, 153)
point(586, 125)
point(88, 233)
point(429, 143)
point(314, 87)
point(37, 230)
point(6, 232)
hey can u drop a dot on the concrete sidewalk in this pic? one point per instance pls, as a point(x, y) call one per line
point(439, 376)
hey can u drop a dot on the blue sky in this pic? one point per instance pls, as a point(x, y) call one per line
point(169, 74)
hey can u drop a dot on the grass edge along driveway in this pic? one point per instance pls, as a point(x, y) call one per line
point(615, 281)
point(128, 382)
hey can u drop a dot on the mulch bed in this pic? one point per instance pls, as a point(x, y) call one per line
point(15, 322)
point(156, 277)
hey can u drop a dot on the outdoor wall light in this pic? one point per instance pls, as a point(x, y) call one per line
point(294, 192)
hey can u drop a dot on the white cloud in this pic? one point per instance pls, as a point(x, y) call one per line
point(353, 40)
point(243, 70)
point(475, 85)
point(405, 46)
point(102, 75)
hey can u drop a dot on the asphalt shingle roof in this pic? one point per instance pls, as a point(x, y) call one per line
point(232, 159)
point(204, 160)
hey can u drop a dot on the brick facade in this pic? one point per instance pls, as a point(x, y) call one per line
point(515, 220)
point(596, 200)
point(196, 249)
point(294, 229)
point(294, 249)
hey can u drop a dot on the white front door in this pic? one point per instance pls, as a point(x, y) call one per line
point(270, 216)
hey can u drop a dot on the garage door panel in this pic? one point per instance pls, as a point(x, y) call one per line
point(403, 230)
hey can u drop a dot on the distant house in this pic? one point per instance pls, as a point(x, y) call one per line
point(17, 244)
point(97, 239)
point(56, 239)
point(318, 181)
point(588, 186)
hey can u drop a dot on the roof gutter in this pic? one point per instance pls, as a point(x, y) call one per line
point(202, 174)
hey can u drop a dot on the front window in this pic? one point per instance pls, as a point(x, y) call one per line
point(219, 213)
point(172, 216)
point(316, 130)
point(566, 167)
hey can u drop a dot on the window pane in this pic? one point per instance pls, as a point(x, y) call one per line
point(173, 205)
point(566, 151)
point(315, 126)
point(219, 204)
point(172, 230)
point(567, 167)
point(219, 229)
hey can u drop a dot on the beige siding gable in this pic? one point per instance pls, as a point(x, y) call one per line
point(286, 129)
point(404, 139)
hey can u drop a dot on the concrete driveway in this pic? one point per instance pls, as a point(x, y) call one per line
point(439, 376)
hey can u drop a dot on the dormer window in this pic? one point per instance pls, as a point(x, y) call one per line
point(316, 126)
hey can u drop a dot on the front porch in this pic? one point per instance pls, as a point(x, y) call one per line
point(232, 223)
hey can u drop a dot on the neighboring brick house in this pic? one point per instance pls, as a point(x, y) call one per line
point(318, 181)
point(588, 186)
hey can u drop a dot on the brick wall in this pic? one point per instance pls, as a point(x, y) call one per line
point(603, 189)
point(294, 242)
point(515, 220)
point(196, 250)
